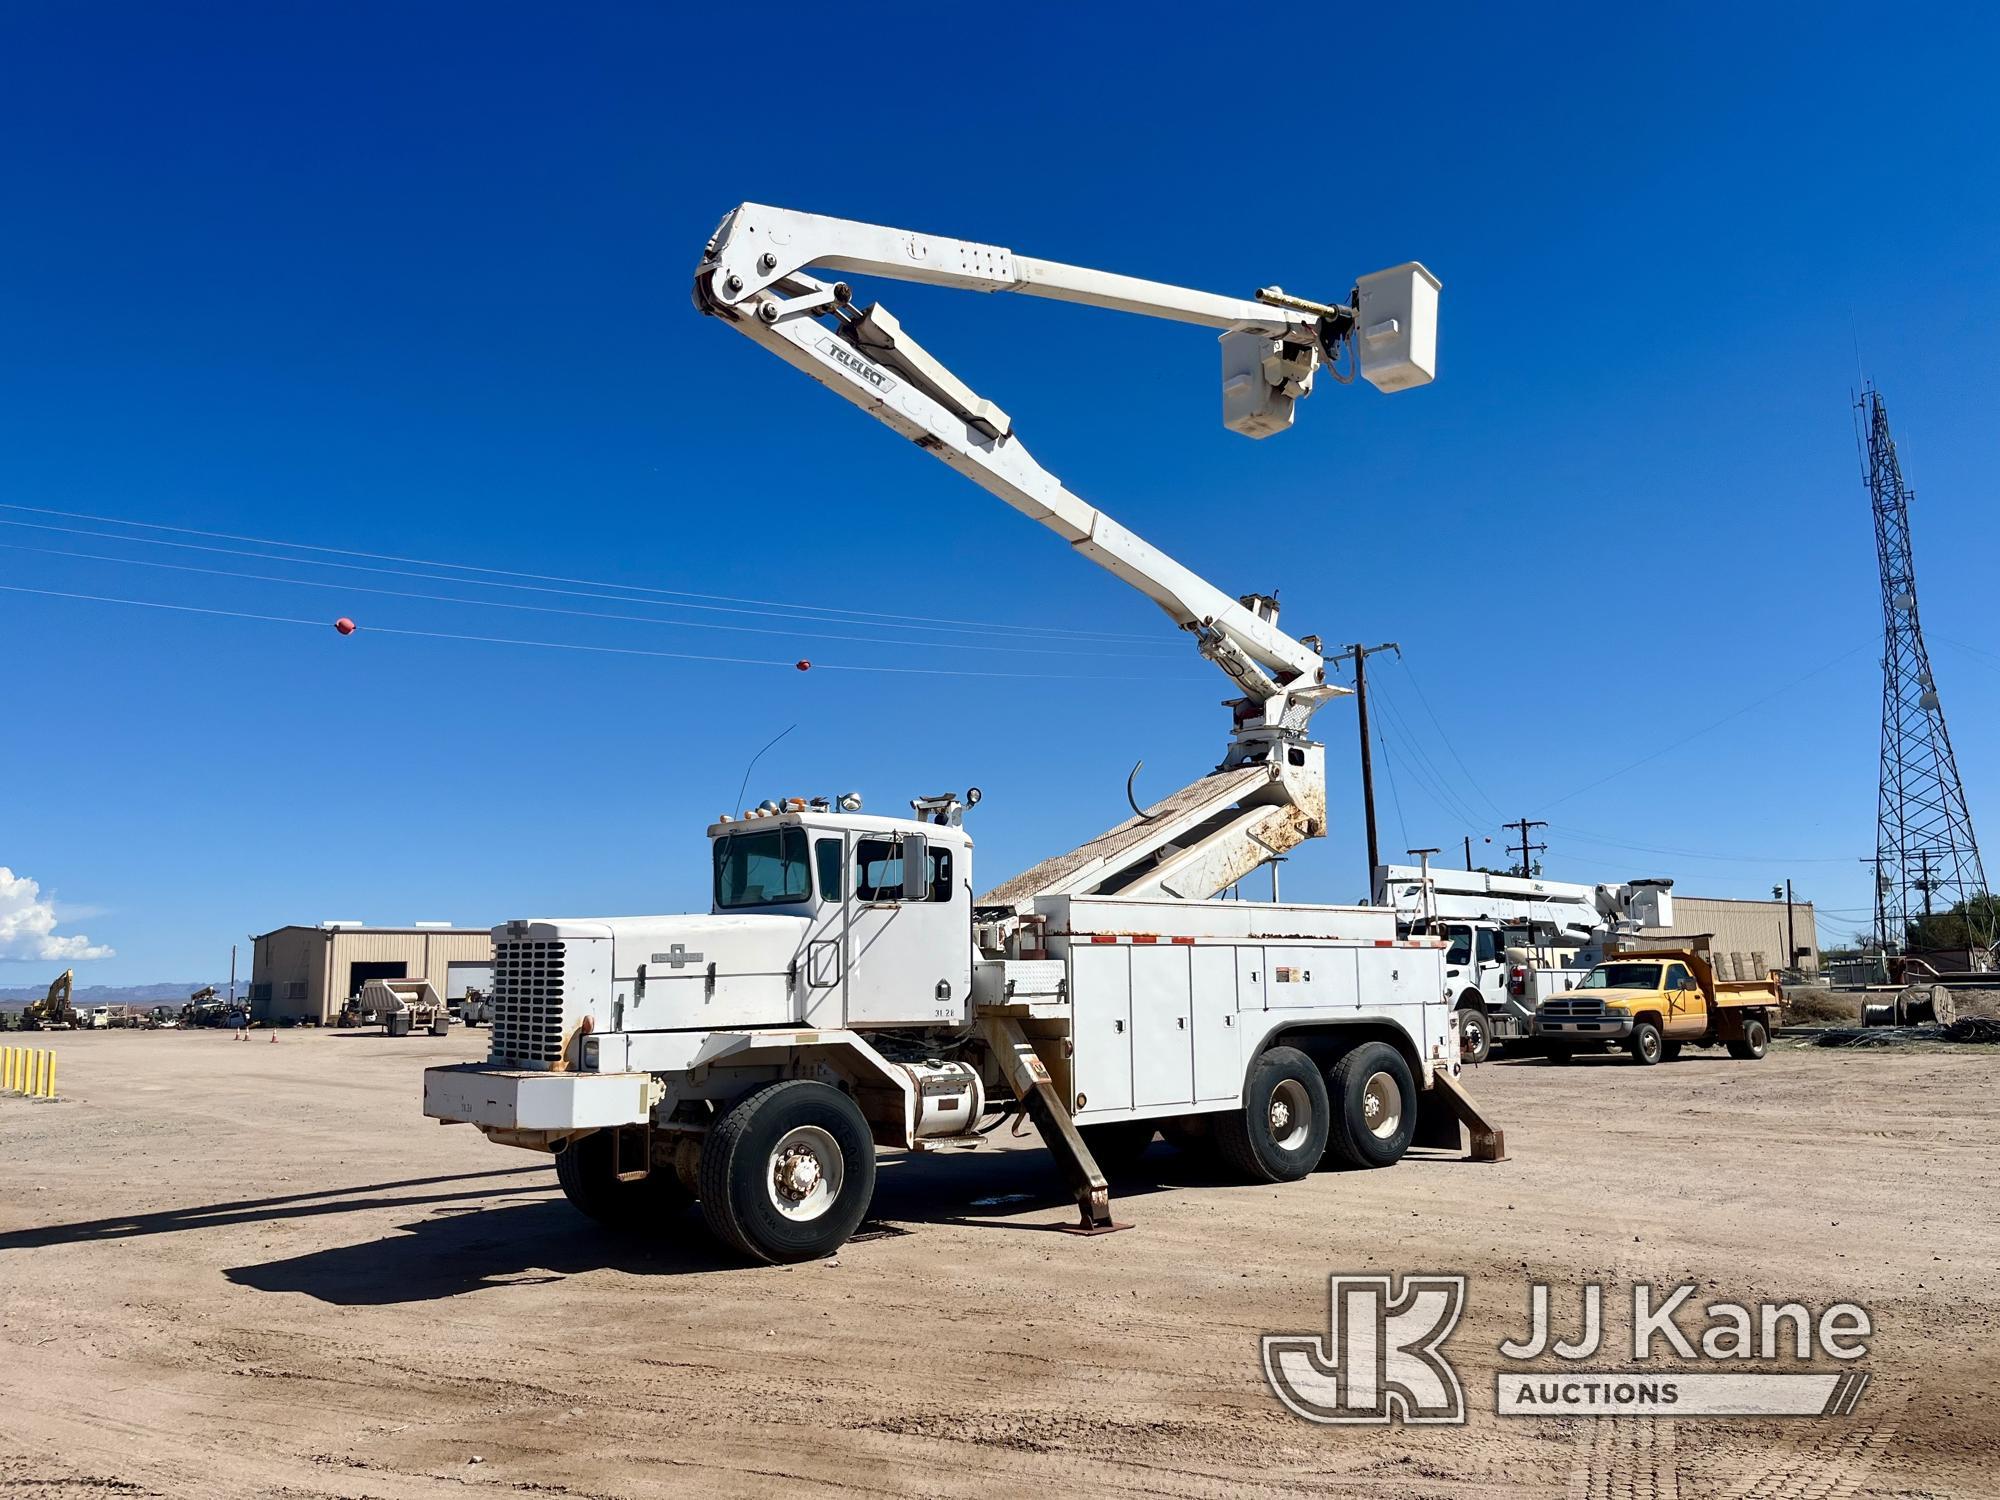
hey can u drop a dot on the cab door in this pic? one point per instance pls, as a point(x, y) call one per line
point(907, 952)
point(1686, 1006)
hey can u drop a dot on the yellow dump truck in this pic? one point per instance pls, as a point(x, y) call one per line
point(1655, 1001)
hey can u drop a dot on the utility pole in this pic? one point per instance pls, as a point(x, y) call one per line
point(1468, 851)
point(1874, 861)
point(1360, 655)
point(1791, 929)
point(1528, 850)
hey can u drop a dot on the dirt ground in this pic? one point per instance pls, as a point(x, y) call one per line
point(253, 1269)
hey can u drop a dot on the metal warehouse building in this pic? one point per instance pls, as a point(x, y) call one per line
point(1749, 936)
point(308, 973)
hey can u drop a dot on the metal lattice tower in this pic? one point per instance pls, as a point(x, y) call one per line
point(1926, 857)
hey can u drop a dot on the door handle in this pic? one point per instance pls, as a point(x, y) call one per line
point(1117, 1028)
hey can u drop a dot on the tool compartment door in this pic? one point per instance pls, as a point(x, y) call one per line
point(1101, 1025)
point(1218, 1040)
point(1162, 1026)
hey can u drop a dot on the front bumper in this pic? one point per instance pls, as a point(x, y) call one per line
point(1608, 1027)
point(471, 1094)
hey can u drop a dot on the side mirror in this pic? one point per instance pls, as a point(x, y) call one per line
point(916, 867)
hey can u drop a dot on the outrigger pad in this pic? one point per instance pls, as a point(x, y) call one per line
point(1446, 1106)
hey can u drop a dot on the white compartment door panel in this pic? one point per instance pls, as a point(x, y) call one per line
point(1218, 1040)
point(1162, 1026)
point(1101, 1025)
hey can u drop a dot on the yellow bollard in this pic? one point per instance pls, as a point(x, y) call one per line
point(13, 1062)
point(35, 1072)
point(52, 1075)
point(7, 1069)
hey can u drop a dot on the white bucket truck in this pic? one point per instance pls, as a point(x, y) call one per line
point(847, 992)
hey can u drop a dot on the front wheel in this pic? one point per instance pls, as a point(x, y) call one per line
point(1756, 1041)
point(587, 1169)
point(1374, 1106)
point(1475, 1037)
point(1647, 1045)
point(1280, 1133)
point(787, 1172)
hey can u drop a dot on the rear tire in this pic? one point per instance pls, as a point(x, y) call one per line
point(1374, 1111)
point(1647, 1046)
point(1561, 1052)
point(1756, 1041)
point(1475, 1036)
point(787, 1172)
point(1280, 1133)
point(1669, 1051)
point(584, 1169)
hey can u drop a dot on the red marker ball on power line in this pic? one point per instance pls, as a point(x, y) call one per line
point(803, 665)
point(344, 625)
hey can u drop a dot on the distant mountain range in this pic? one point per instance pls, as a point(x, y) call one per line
point(14, 996)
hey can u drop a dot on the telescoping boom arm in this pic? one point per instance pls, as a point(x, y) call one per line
point(756, 274)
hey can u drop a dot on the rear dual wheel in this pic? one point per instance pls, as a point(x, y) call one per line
point(1756, 1041)
point(1361, 1112)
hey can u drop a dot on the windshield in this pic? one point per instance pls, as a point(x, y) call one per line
point(762, 869)
point(1622, 977)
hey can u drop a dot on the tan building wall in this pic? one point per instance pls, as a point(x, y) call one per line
point(1743, 929)
point(307, 973)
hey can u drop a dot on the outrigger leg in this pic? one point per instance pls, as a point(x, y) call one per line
point(1029, 1079)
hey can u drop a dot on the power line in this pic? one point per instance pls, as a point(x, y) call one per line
point(551, 609)
point(1708, 728)
point(1449, 743)
point(851, 616)
point(494, 640)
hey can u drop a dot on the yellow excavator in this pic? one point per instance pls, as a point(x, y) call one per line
point(53, 1013)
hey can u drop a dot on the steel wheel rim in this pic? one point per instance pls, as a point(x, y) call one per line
point(1382, 1105)
point(1290, 1114)
point(1472, 1035)
point(805, 1173)
point(1649, 1044)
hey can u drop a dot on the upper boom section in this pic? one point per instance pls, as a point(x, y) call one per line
point(755, 274)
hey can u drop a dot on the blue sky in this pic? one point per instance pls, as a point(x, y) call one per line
point(413, 281)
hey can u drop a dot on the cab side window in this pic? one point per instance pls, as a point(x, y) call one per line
point(1460, 951)
point(878, 871)
point(1489, 946)
point(826, 855)
point(1678, 978)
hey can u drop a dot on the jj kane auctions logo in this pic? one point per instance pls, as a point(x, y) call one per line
point(1382, 1357)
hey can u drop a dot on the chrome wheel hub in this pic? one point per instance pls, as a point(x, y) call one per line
point(1382, 1105)
point(1290, 1115)
point(806, 1172)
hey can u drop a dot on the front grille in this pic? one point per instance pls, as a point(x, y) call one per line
point(1574, 1010)
point(527, 1004)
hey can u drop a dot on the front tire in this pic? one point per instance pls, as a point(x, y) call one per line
point(1475, 1036)
point(787, 1172)
point(1755, 1043)
point(586, 1170)
point(1647, 1045)
point(1280, 1133)
point(1374, 1111)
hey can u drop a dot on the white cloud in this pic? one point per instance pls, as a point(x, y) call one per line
point(28, 923)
